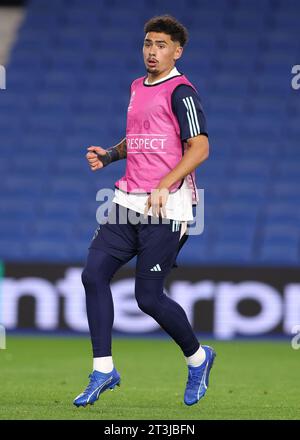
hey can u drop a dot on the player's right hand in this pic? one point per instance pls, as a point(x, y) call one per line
point(92, 158)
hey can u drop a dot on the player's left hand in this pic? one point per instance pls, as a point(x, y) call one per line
point(157, 201)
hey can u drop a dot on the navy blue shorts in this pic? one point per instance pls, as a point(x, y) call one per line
point(126, 234)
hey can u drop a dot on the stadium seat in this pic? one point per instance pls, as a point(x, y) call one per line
point(68, 80)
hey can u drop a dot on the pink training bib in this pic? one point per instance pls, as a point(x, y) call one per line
point(154, 146)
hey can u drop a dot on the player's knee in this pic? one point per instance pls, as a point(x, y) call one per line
point(148, 294)
point(94, 275)
point(145, 305)
point(85, 277)
point(145, 300)
point(89, 277)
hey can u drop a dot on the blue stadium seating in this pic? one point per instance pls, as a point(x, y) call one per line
point(68, 85)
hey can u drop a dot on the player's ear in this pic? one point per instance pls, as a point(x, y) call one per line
point(178, 52)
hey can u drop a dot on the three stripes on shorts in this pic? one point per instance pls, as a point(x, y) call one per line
point(175, 225)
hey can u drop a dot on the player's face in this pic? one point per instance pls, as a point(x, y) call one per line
point(160, 53)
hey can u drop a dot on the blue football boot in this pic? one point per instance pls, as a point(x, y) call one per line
point(99, 382)
point(198, 378)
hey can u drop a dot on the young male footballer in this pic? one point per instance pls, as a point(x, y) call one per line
point(166, 140)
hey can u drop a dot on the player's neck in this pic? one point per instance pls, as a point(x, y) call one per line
point(151, 78)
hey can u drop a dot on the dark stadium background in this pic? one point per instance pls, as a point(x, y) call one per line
point(69, 65)
point(68, 73)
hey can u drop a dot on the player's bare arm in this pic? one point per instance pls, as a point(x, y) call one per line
point(99, 157)
point(197, 152)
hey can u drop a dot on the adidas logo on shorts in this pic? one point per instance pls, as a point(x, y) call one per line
point(156, 268)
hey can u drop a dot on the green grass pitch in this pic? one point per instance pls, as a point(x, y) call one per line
point(41, 376)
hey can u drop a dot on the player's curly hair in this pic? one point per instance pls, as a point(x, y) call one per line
point(168, 25)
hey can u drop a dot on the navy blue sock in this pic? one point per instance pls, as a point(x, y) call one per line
point(100, 268)
point(167, 313)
